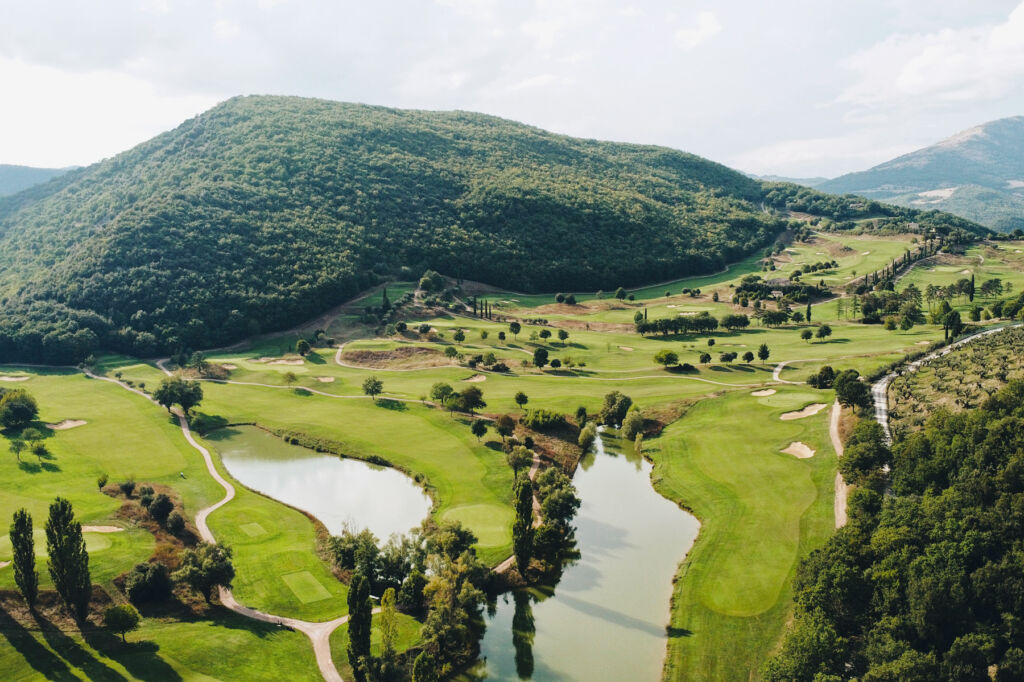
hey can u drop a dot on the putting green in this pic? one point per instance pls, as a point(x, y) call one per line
point(489, 521)
point(252, 529)
point(305, 587)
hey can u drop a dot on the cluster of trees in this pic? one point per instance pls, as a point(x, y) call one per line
point(753, 288)
point(175, 390)
point(680, 324)
point(432, 573)
point(925, 581)
point(467, 400)
point(314, 201)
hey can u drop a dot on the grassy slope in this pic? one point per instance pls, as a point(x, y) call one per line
point(761, 510)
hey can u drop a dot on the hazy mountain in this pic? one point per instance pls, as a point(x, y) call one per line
point(806, 182)
point(977, 174)
point(16, 178)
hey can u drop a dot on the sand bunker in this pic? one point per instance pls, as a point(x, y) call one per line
point(229, 367)
point(763, 393)
point(4, 564)
point(965, 272)
point(865, 253)
point(806, 412)
point(325, 380)
point(628, 349)
point(923, 343)
point(799, 450)
point(295, 361)
point(7, 378)
point(102, 529)
point(671, 306)
point(66, 424)
point(476, 378)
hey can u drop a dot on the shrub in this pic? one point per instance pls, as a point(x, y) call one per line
point(101, 481)
point(160, 507)
point(175, 523)
point(540, 419)
point(633, 424)
point(127, 487)
point(588, 434)
point(145, 500)
point(148, 582)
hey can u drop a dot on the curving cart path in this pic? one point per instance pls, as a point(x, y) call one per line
point(319, 633)
point(841, 486)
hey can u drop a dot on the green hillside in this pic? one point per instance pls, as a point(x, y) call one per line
point(267, 210)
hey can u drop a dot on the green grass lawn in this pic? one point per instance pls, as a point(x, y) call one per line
point(408, 636)
point(760, 510)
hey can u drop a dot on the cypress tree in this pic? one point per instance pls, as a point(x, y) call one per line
point(970, 289)
point(24, 560)
point(360, 610)
point(69, 562)
point(522, 527)
point(808, 316)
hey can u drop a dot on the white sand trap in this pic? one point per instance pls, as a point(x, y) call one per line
point(67, 424)
point(865, 253)
point(102, 529)
point(628, 349)
point(923, 343)
point(1017, 251)
point(965, 272)
point(8, 378)
point(671, 306)
point(4, 564)
point(799, 450)
point(229, 367)
point(476, 378)
point(325, 380)
point(764, 392)
point(806, 412)
point(296, 361)
point(819, 253)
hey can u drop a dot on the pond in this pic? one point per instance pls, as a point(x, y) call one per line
point(606, 618)
point(336, 490)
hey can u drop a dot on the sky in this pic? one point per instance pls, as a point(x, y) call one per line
point(793, 87)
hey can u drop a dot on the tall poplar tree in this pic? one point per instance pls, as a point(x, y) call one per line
point(360, 610)
point(24, 560)
point(69, 561)
point(522, 526)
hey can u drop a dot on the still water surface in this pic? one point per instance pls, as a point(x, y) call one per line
point(606, 619)
point(335, 490)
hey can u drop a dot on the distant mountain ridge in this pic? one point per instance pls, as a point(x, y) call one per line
point(14, 179)
point(977, 174)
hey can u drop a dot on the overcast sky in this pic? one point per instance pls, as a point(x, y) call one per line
point(794, 87)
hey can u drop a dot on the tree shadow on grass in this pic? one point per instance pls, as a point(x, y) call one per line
point(139, 658)
point(73, 652)
point(389, 404)
point(315, 359)
point(41, 659)
point(678, 632)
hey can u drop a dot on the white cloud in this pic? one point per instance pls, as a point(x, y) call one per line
point(807, 156)
point(533, 82)
point(946, 66)
point(706, 28)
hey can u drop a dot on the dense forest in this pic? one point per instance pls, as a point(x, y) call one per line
point(926, 582)
point(265, 211)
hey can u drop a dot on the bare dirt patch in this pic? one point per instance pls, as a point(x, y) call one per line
point(66, 424)
point(615, 327)
point(476, 378)
point(10, 378)
point(806, 412)
point(403, 357)
point(799, 450)
point(763, 393)
point(325, 380)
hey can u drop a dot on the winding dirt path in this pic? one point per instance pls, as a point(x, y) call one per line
point(505, 565)
point(842, 489)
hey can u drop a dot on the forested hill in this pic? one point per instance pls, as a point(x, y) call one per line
point(267, 210)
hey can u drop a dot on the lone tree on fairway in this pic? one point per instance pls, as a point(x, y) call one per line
point(440, 392)
point(479, 428)
point(302, 347)
point(177, 391)
point(450, 352)
point(17, 447)
point(540, 357)
point(360, 609)
point(824, 331)
point(373, 387)
point(748, 357)
point(206, 567)
point(17, 408)
point(505, 426)
point(122, 618)
point(666, 357)
point(459, 336)
point(289, 378)
point(545, 334)
point(471, 398)
point(522, 527)
point(69, 561)
point(24, 547)
point(515, 328)
point(705, 358)
point(806, 334)
point(620, 293)
point(562, 335)
point(521, 399)
point(763, 353)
